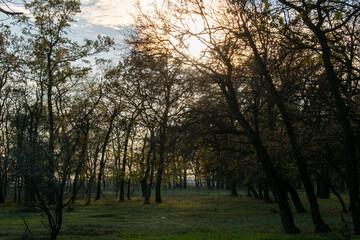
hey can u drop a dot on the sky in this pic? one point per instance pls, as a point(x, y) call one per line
point(108, 17)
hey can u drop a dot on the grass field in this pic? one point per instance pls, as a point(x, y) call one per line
point(185, 214)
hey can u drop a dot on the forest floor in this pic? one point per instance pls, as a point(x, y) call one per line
point(184, 214)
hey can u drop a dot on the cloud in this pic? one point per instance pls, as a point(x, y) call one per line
point(115, 14)
point(87, 1)
point(14, 7)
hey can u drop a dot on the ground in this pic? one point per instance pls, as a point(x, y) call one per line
point(185, 214)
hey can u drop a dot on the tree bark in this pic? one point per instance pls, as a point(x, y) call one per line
point(29, 198)
point(123, 168)
point(261, 196)
point(339, 197)
point(295, 197)
point(15, 188)
point(185, 178)
point(102, 160)
point(20, 186)
point(251, 189)
point(80, 164)
point(129, 188)
point(99, 179)
point(51, 146)
point(233, 188)
point(323, 184)
point(145, 187)
point(266, 192)
point(148, 192)
point(162, 146)
point(208, 183)
point(2, 200)
point(89, 189)
point(92, 177)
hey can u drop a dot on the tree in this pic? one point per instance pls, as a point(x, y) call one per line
point(9, 65)
point(263, 58)
point(220, 61)
point(333, 19)
point(154, 87)
point(129, 124)
point(111, 119)
point(51, 67)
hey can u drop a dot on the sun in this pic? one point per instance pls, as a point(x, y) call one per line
point(196, 43)
point(196, 48)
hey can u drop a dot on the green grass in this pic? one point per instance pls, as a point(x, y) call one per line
point(185, 214)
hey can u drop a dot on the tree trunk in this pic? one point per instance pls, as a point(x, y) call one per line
point(339, 197)
point(20, 188)
point(15, 188)
point(74, 189)
point(146, 187)
point(92, 177)
point(213, 180)
point(342, 186)
point(55, 228)
point(185, 178)
point(180, 184)
point(251, 189)
point(29, 199)
point(162, 145)
point(128, 189)
point(208, 183)
point(233, 188)
point(102, 161)
point(160, 170)
point(197, 184)
point(261, 196)
point(295, 197)
point(158, 182)
point(323, 183)
point(89, 189)
point(2, 200)
point(123, 168)
point(148, 192)
point(266, 192)
point(143, 185)
point(82, 158)
point(51, 146)
point(99, 179)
